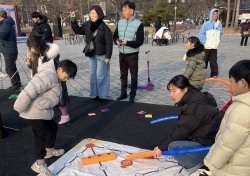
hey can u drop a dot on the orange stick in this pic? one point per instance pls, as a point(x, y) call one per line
point(140, 155)
point(98, 158)
point(219, 80)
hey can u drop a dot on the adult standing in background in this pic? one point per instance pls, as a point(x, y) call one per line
point(41, 27)
point(210, 35)
point(244, 32)
point(129, 36)
point(8, 47)
point(99, 61)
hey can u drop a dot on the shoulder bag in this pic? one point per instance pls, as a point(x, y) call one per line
point(89, 49)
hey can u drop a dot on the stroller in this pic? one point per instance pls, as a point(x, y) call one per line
point(162, 36)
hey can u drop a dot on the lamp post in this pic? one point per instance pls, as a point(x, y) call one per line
point(175, 11)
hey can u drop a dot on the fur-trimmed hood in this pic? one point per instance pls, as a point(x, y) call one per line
point(196, 50)
point(53, 51)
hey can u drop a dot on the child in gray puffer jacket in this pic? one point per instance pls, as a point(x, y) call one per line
point(36, 103)
point(40, 52)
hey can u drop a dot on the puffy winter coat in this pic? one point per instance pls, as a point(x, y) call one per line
point(196, 68)
point(211, 32)
point(199, 120)
point(8, 43)
point(102, 41)
point(245, 27)
point(41, 95)
point(43, 29)
point(230, 154)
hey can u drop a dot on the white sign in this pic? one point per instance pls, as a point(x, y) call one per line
point(10, 12)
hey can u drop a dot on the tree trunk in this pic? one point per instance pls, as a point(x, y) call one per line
point(232, 22)
point(228, 14)
point(237, 15)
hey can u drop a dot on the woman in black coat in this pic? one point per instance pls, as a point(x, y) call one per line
point(244, 32)
point(99, 68)
point(198, 122)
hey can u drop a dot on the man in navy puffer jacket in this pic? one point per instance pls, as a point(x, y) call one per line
point(8, 47)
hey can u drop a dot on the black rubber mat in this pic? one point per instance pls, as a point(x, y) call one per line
point(121, 124)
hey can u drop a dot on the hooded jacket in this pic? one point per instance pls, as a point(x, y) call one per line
point(41, 95)
point(52, 52)
point(43, 29)
point(8, 44)
point(198, 121)
point(230, 154)
point(211, 32)
point(196, 68)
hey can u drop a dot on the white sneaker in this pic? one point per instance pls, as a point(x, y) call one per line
point(42, 170)
point(202, 172)
point(53, 152)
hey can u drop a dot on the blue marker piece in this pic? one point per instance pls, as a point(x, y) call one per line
point(186, 151)
point(164, 119)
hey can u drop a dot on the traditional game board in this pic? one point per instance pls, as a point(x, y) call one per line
point(69, 164)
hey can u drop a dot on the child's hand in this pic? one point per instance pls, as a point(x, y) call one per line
point(157, 152)
point(27, 61)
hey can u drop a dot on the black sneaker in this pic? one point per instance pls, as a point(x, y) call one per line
point(14, 88)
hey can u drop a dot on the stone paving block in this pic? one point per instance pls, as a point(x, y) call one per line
point(165, 62)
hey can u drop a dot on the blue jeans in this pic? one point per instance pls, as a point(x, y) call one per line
point(188, 161)
point(99, 75)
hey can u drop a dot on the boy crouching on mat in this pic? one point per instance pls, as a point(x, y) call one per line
point(230, 153)
point(36, 103)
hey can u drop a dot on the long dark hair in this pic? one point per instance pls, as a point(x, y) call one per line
point(181, 82)
point(35, 41)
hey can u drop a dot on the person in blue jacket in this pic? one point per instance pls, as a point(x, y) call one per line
point(210, 35)
point(8, 47)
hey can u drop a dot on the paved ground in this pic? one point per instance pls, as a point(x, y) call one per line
point(165, 62)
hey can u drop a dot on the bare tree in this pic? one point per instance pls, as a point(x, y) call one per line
point(233, 17)
point(117, 4)
point(237, 15)
point(228, 14)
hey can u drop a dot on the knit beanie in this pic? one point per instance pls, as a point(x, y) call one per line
point(3, 13)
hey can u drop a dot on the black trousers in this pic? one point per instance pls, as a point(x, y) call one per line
point(129, 62)
point(44, 132)
point(211, 57)
point(242, 41)
point(10, 68)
